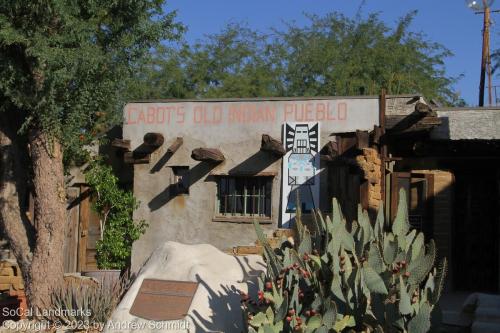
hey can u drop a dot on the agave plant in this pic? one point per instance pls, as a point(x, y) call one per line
point(348, 277)
point(86, 304)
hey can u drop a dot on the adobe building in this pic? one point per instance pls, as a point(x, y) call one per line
point(203, 170)
point(214, 172)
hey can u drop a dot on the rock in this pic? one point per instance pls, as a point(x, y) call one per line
point(76, 279)
point(216, 304)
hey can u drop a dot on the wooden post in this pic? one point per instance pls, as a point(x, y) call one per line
point(212, 155)
point(83, 229)
point(121, 144)
point(329, 151)
point(272, 145)
point(485, 54)
point(362, 139)
point(383, 140)
point(136, 158)
point(175, 145)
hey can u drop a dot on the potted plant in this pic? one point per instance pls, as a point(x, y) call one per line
point(115, 207)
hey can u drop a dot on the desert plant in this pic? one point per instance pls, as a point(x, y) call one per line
point(115, 207)
point(88, 304)
point(341, 277)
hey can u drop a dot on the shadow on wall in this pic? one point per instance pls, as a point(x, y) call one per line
point(251, 166)
point(254, 164)
point(194, 174)
point(161, 162)
point(442, 131)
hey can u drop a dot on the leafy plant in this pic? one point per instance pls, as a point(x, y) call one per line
point(115, 207)
point(344, 277)
point(329, 55)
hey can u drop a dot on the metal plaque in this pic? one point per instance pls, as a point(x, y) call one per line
point(163, 300)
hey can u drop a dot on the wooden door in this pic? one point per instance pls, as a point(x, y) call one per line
point(70, 248)
point(419, 197)
point(476, 231)
point(89, 232)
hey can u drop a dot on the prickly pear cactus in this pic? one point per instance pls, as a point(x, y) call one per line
point(340, 277)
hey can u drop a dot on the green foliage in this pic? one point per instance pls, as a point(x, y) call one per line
point(115, 208)
point(331, 55)
point(348, 278)
point(63, 63)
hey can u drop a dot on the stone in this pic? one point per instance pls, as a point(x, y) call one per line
point(216, 304)
point(376, 195)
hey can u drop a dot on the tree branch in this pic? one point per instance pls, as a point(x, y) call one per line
point(18, 229)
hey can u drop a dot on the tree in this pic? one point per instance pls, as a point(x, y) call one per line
point(233, 63)
point(63, 65)
point(330, 55)
point(341, 56)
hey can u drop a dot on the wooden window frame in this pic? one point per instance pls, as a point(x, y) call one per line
point(245, 217)
point(181, 180)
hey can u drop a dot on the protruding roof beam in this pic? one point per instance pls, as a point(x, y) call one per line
point(175, 145)
point(272, 145)
point(212, 155)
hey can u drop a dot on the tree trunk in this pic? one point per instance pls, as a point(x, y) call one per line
point(13, 172)
point(50, 218)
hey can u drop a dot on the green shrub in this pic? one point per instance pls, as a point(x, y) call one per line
point(348, 278)
point(115, 207)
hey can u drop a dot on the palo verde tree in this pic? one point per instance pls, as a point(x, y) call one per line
point(330, 55)
point(62, 68)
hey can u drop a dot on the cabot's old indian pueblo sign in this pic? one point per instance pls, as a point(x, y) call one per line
point(175, 118)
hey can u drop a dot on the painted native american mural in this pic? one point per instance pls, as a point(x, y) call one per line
point(300, 168)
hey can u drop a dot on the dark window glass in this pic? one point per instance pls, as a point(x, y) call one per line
point(244, 196)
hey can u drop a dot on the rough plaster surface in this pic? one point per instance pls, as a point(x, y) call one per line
point(463, 124)
point(190, 218)
point(216, 304)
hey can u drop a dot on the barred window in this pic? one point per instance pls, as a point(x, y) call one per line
point(244, 196)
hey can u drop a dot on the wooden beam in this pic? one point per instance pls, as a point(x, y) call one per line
point(272, 145)
point(121, 144)
point(136, 158)
point(362, 139)
point(406, 124)
point(175, 145)
point(345, 142)
point(376, 134)
point(424, 109)
point(213, 155)
point(383, 146)
point(153, 140)
point(329, 151)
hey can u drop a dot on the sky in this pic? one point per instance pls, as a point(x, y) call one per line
point(448, 22)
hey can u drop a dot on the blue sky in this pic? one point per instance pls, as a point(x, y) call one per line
point(448, 22)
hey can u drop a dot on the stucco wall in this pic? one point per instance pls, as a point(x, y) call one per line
point(189, 218)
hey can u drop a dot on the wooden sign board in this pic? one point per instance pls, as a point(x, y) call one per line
point(163, 300)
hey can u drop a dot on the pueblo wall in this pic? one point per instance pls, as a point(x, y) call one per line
point(235, 127)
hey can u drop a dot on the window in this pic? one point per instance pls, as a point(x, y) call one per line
point(244, 197)
point(181, 180)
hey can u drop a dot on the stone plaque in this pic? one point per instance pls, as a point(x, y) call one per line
point(163, 300)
